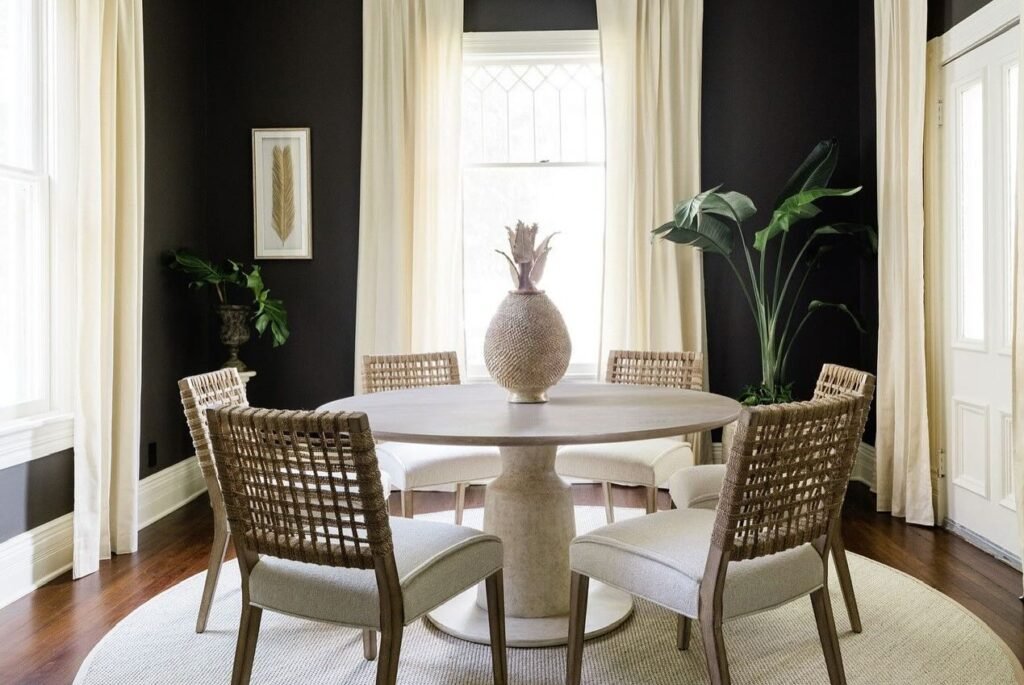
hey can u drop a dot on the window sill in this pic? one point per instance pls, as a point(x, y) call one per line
point(23, 440)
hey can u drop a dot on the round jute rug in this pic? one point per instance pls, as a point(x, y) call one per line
point(912, 634)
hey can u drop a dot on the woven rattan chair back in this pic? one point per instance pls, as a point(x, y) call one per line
point(198, 393)
point(302, 486)
point(403, 371)
point(787, 475)
point(683, 370)
point(837, 380)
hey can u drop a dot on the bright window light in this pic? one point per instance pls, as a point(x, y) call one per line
point(533, 150)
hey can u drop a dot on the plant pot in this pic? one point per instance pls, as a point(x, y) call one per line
point(527, 346)
point(235, 331)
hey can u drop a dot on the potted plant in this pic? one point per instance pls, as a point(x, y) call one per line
point(713, 221)
point(264, 312)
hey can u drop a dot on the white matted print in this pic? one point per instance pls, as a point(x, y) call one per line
point(281, 193)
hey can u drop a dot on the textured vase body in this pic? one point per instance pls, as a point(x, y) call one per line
point(527, 347)
point(234, 332)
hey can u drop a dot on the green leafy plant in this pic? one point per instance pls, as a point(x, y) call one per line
point(713, 221)
point(268, 312)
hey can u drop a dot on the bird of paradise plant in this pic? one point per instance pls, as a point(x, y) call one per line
point(713, 221)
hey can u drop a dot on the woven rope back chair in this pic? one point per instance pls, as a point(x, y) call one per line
point(646, 463)
point(834, 380)
point(784, 487)
point(700, 486)
point(305, 487)
point(780, 504)
point(198, 393)
point(684, 370)
point(422, 466)
point(403, 371)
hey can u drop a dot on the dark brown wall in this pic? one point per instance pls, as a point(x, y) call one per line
point(301, 67)
point(778, 77)
point(35, 492)
point(175, 321)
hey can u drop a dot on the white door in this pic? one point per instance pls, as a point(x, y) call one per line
point(979, 120)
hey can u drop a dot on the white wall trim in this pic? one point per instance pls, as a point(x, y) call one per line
point(530, 46)
point(34, 558)
point(37, 556)
point(990, 20)
point(23, 440)
point(168, 490)
point(983, 543)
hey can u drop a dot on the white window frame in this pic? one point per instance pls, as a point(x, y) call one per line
point(51, 428)
point(533, 47)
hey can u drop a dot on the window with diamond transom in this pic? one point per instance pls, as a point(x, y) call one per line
point(533, 150)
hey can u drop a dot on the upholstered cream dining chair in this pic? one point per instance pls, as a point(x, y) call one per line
point(647, 463)
point(412, 466)
point(699, 486)
point(766, 545)
point(303, 497)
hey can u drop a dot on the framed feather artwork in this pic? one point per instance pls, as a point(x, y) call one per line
point(282, 221)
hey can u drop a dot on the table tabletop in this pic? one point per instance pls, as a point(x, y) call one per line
point(576, 413)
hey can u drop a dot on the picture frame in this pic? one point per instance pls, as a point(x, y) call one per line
point(282, 197)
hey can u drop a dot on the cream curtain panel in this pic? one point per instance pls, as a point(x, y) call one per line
point(109, 127)
point(902, 440)
point(651, 60)
point(409, 296)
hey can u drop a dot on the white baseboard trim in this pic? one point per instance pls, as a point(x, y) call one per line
point(983, 543)
point(168, 490)
point(34, 558)
point(37, 556)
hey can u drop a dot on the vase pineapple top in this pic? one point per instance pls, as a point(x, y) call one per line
point(525, 258)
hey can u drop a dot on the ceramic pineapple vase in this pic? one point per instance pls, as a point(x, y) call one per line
point(527, 346)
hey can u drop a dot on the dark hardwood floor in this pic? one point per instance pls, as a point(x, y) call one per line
point(45, 636)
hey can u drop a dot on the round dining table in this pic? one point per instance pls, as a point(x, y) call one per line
point(529, 506)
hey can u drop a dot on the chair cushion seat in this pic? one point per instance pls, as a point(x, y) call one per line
point(435, 562)
point(418, 466)
point(643, 462)
point(661, 557)
point(697, 487)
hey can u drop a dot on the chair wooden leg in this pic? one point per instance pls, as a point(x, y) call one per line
point(652, 500)
point(496, 619)
point(609, 507)
point(714, 648)
point(245, 650)
point(407, 504)
point(580, 586)
point(460, 502)
point(683, 627)
point(827, 634)
point(387, 661)
point(370, 644)
point(221, 535)
point(845, 581)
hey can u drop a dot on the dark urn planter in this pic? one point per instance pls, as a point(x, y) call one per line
point(235, 331)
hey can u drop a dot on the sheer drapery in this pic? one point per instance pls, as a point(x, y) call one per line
point(903, 468)
point(409, 292)
point(107, 127)
point(653, 296)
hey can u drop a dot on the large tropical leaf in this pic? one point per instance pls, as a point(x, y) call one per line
point(200, 271)
point(797, 208)
point(706, 232)
point(813, 172)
